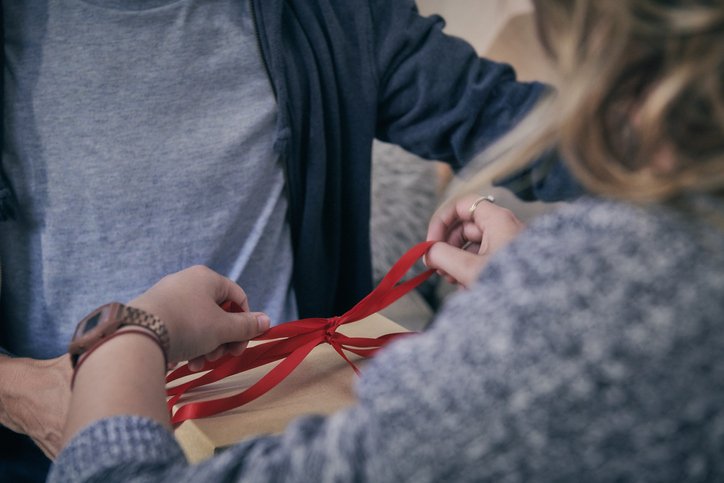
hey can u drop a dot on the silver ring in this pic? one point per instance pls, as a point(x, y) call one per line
point(488, 198)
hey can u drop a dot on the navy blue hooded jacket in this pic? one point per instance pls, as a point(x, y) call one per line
point(345, 72)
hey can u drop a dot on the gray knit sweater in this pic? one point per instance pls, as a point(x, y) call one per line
point(592, 349)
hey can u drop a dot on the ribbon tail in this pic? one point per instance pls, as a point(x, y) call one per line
point(387, 292)
point(339, 350)
point(266, 383)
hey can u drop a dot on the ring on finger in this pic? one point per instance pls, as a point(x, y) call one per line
point(488, 198)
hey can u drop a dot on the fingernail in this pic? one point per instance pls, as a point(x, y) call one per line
point(263, 322)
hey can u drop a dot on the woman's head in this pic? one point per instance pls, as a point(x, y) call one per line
point(639, 112)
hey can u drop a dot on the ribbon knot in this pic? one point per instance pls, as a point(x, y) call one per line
point(291, 342)
point(329, 334)
point(330, 331)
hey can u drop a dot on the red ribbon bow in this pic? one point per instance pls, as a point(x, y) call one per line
point(293, 341)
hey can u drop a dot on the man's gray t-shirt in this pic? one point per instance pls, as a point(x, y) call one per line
point(138, 141)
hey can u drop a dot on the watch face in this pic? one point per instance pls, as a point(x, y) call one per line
point(89, 322)
point(97, 325)
point(92, 322)
point(94, 327)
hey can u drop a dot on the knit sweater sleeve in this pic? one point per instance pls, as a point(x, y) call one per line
point(556, 366)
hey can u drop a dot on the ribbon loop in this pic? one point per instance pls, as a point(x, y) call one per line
point(291, 342)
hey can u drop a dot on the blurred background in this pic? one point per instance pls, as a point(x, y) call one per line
point(406, 190)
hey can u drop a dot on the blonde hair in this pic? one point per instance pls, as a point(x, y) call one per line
point(639, 113)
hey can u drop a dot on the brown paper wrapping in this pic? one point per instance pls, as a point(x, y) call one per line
point(322, 384)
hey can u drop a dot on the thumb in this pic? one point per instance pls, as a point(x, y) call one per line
point(461, 265)
point(243, 326)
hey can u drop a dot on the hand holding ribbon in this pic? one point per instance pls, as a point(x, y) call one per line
point(291, 342)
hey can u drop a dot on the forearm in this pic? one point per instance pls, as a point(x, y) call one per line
point(19, 385)
point(9, 389)
point(34, 397)
point(111, 383)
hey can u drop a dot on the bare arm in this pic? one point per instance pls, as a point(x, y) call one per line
point(34, 398)
point(110, 383)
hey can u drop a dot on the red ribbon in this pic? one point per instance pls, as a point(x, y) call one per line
point(293, 341)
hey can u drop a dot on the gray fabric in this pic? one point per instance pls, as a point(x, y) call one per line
point(404, 197)
point(139, 142)
point(590, 350)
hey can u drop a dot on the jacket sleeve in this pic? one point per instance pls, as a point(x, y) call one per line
point(436, 97)
point(545, 179)
point(439, 100)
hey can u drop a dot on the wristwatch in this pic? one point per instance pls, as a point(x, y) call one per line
point(107, 319)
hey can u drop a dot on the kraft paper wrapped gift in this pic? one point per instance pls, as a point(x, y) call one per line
point(322, 384)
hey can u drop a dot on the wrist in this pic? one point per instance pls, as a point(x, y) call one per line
point(106, 320)
point(11, 372)
point(145, 339)
point(33, 395)
point(15, 370)
point(123, 376)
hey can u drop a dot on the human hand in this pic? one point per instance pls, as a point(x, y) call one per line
point(35, 398)
point(188, 302)
point(472, 229)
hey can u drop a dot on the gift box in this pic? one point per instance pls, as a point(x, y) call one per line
point(322, 384)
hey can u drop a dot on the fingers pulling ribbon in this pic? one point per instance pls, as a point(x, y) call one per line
point(291, 342)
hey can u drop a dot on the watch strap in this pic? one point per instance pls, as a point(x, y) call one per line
point(106, 320)
point(135, 316)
